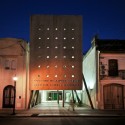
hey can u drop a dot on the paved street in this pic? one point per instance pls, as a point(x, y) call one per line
point(54, 110)
point(63, 121)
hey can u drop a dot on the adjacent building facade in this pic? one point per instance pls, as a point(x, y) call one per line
point(13, 62)
point(104, 71)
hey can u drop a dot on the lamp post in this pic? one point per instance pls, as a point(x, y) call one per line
point(14, 79)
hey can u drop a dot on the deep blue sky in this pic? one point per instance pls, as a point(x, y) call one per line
point(103, 17)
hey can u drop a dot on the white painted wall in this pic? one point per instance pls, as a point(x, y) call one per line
point(89, 71)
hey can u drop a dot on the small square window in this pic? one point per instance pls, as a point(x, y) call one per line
point(73, 66)
point(55, 75)
point(73, 57)
point(47, 75)
point(56, 47)
point(47, 37)
point(39, 38)
point(56, 28)
point(47, 47)
point(64, 38)
point(39, 66)
point(39, 28)
point(56, 57)
point(39, 56)
point(47, 67)
point(73, 76)
point(47, 57)
point(73, 29)
point(39, 47)
point(64, 76)
point(64, 47)
point(73, 38)
point(56, 66)
point(64, 56)
point(48, 29)
point(56, 37)
point(64, 29)
point(64, 66)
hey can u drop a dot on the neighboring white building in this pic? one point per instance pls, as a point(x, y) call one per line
point(13, 61)
point(104, 72)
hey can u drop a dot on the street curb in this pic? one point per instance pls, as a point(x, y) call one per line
point(57, 115)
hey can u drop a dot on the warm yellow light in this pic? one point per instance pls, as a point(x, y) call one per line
point(15, 78)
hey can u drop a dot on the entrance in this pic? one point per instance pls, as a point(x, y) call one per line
point(8, 97)
point(113, 96)
point(54, 95)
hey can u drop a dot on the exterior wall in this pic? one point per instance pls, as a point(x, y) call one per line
point(105, 79)
point(13, 49)
point(89, 72)
point(56, 50)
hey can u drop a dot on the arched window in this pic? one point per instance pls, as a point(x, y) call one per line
point(8, 97)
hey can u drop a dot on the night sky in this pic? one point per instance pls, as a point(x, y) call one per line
point(103, 17)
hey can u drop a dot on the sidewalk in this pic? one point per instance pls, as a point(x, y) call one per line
point(45, 110)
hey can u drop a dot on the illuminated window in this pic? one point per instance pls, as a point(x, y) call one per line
point(39, 56)
point(73, 57)
point(56, 28)
point(73, 47)
point(56, 47)
point(64, 76)
point(39, 28)
point(56, 56)
point(73, 38)
point(73, 76)
point(56, 37)
point(73, 67)
point(64, 38)
point(47, 47)
point(56, 66)
point(39, 37)
point(64, 47)
point(39, 47)
point(47, 28)
point(47, 57)
point(73, 29)
point(47, 37)
point(39, 66)
point(64, 56)
point(64, 66)
point(47, 67)
point(47, 75)
point(64, 28)
point(55, 75)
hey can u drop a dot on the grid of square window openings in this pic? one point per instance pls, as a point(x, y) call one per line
point(56, 59)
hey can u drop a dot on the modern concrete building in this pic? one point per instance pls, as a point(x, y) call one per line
point(55, 56)
point(104, 71)
point(13, 62)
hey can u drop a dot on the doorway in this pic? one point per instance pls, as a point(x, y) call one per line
point(8, 97)
point(113, 96)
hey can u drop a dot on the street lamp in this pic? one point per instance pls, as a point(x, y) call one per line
point(14, 79)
